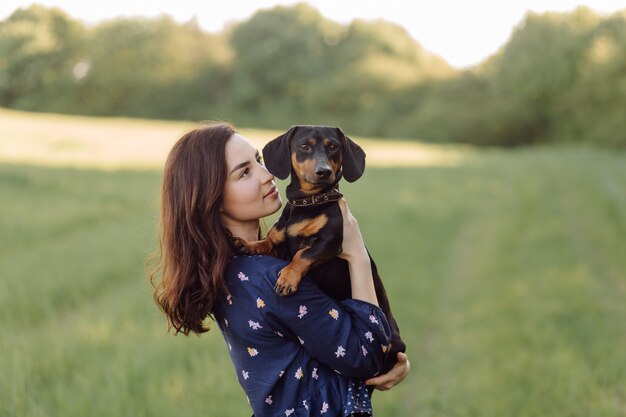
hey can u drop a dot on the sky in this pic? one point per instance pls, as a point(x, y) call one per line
point(463, 32)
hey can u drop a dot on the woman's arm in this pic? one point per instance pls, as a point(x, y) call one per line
point(363, 289)
point(353, 251)
point(349, 336)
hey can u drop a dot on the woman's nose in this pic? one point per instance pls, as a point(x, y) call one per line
point(267, 176)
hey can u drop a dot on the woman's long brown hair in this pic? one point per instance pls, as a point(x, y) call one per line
point(195, 247)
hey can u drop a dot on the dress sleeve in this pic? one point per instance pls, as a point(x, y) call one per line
point(351, 336)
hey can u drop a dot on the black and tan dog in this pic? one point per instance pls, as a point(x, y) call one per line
point(310, 228)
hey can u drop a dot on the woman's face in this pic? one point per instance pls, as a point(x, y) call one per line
point(249, 192)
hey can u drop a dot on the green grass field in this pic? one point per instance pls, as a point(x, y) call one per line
point(506, 272)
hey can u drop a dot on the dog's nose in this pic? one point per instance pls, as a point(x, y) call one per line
point(323, 173)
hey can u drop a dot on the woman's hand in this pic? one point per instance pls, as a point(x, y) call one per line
point(392, 378)
point(353, 247)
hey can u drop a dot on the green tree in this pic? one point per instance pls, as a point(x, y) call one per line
point(39, 48)
point(295, 66)
point(371, 63)
point(593, 110)
point(538, 64)
point(143, 67)
point(560, 77)
point(279, 52)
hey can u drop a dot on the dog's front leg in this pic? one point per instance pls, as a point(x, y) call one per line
point(290, 276)
point(266, 246)
point(317, 251)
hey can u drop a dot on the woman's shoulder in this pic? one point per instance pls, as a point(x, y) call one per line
point(256, 262)
point(261, 267)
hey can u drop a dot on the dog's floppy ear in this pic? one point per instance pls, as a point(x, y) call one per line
point(277, 154)
point(353, 158)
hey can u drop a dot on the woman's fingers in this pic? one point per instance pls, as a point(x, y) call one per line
point(392, 378)
point(343, 205)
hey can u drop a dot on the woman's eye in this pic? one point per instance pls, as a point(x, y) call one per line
point(245, 172)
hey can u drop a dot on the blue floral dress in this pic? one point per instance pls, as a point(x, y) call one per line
point(302, 355)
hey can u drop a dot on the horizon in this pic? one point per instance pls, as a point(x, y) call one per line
point(479, 31)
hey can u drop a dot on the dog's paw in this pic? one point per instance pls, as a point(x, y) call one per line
point(241, 245)
point(259, 247)
point(288, 281)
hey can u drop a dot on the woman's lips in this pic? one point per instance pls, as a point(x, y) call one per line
point(272, 194)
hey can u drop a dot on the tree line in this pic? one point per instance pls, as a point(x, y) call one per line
point(560, 77)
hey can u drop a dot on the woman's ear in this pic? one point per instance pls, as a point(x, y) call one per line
point(277, 154)
point(353, 158)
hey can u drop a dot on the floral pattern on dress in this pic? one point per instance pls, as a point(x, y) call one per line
point(254, 325)
point(341, 352)
point(283, 351)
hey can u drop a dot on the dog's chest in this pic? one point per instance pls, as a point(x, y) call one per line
point(312, 225)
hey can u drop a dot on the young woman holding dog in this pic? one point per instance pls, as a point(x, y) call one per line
point(301, 355)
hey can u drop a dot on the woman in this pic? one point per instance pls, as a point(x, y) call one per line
point(302, 355)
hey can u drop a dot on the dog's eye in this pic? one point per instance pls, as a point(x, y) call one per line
point(332, 147)
point(305, 147)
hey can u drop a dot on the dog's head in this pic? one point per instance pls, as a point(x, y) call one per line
point(317, 155)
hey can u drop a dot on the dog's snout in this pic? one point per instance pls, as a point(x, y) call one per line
point(323, 172)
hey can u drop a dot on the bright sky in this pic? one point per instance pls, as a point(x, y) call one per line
point(462, 32)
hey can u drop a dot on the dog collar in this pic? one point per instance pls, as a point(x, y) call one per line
point(318, 199)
